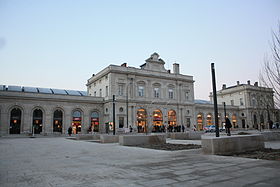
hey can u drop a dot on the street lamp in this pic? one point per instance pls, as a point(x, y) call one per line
point(215, 99)
point(114, 120)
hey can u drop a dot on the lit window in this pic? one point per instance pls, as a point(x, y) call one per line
point(140, 91)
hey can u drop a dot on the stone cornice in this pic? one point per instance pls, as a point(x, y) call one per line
point(140, 72)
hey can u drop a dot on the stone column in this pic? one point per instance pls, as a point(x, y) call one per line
point(26, 121)
point(149, 120)
point(48, 122)
point(86, 120)
point(4, 122)
point(67, 120)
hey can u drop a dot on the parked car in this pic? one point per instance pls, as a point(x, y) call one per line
point(212, 128)
point(276, 125)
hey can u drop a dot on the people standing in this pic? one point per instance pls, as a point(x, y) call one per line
point(228, 126)
point(70, 131)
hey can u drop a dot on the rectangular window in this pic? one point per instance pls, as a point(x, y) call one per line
point(187, 95)
point(141, 91)
point(121, 122)
point(121, 87)
point(188, 121)
point(232, 102)
point(156, 92)
point(100, 92)
point(107, 91)
point(241, 102)
point(170, 93)
point(95, 94)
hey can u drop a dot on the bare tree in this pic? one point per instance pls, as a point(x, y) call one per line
point(270, 73)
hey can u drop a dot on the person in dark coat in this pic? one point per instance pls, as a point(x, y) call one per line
point(228, 126)
point(70, 131)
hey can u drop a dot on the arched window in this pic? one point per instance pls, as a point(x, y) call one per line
point(94, 121)
point(15, 121)
point(157, 121)
point(172, 121)
point(77, 121)
point(57, 121)
point(141, 120)
point(199, 122)
point(209, 119)
point(37, 121)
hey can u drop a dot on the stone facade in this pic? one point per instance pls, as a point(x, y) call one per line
point(147, 99)
point(27, 103)
point(151, 89)
point(255, 104)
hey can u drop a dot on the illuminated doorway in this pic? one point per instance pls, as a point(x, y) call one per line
point(157, 121)
point(94, 122)
point(15, 121)
point(141, 120)
point(199, 122)
point(234, 121)
point(77, 122)
point(57, 121)
point(172, 121)
point(209, 119)
point(37, 121)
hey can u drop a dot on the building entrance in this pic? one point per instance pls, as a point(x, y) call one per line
point(158, 122)
point(141, 120)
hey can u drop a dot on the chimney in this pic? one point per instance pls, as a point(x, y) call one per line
point(256, 84)
point(176, 69)
point(248, 82)
point(124, 65)
point(238, 83)
point(224, 86)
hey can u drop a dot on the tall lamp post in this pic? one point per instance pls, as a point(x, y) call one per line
point(114, 120)
point(225, 111)
point(215, 99)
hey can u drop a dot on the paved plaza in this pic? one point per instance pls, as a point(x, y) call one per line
point(64, 162)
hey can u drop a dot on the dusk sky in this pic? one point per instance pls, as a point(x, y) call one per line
point(61, 43)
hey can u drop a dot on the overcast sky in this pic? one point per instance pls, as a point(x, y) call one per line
point(61, 43)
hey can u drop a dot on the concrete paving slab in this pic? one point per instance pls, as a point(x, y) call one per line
point(64, 162)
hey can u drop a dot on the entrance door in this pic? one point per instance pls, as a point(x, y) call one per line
point(15, 121)
point(37, 121)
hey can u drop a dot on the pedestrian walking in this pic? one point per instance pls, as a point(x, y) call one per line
point(70, 131)
point(228, 126)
